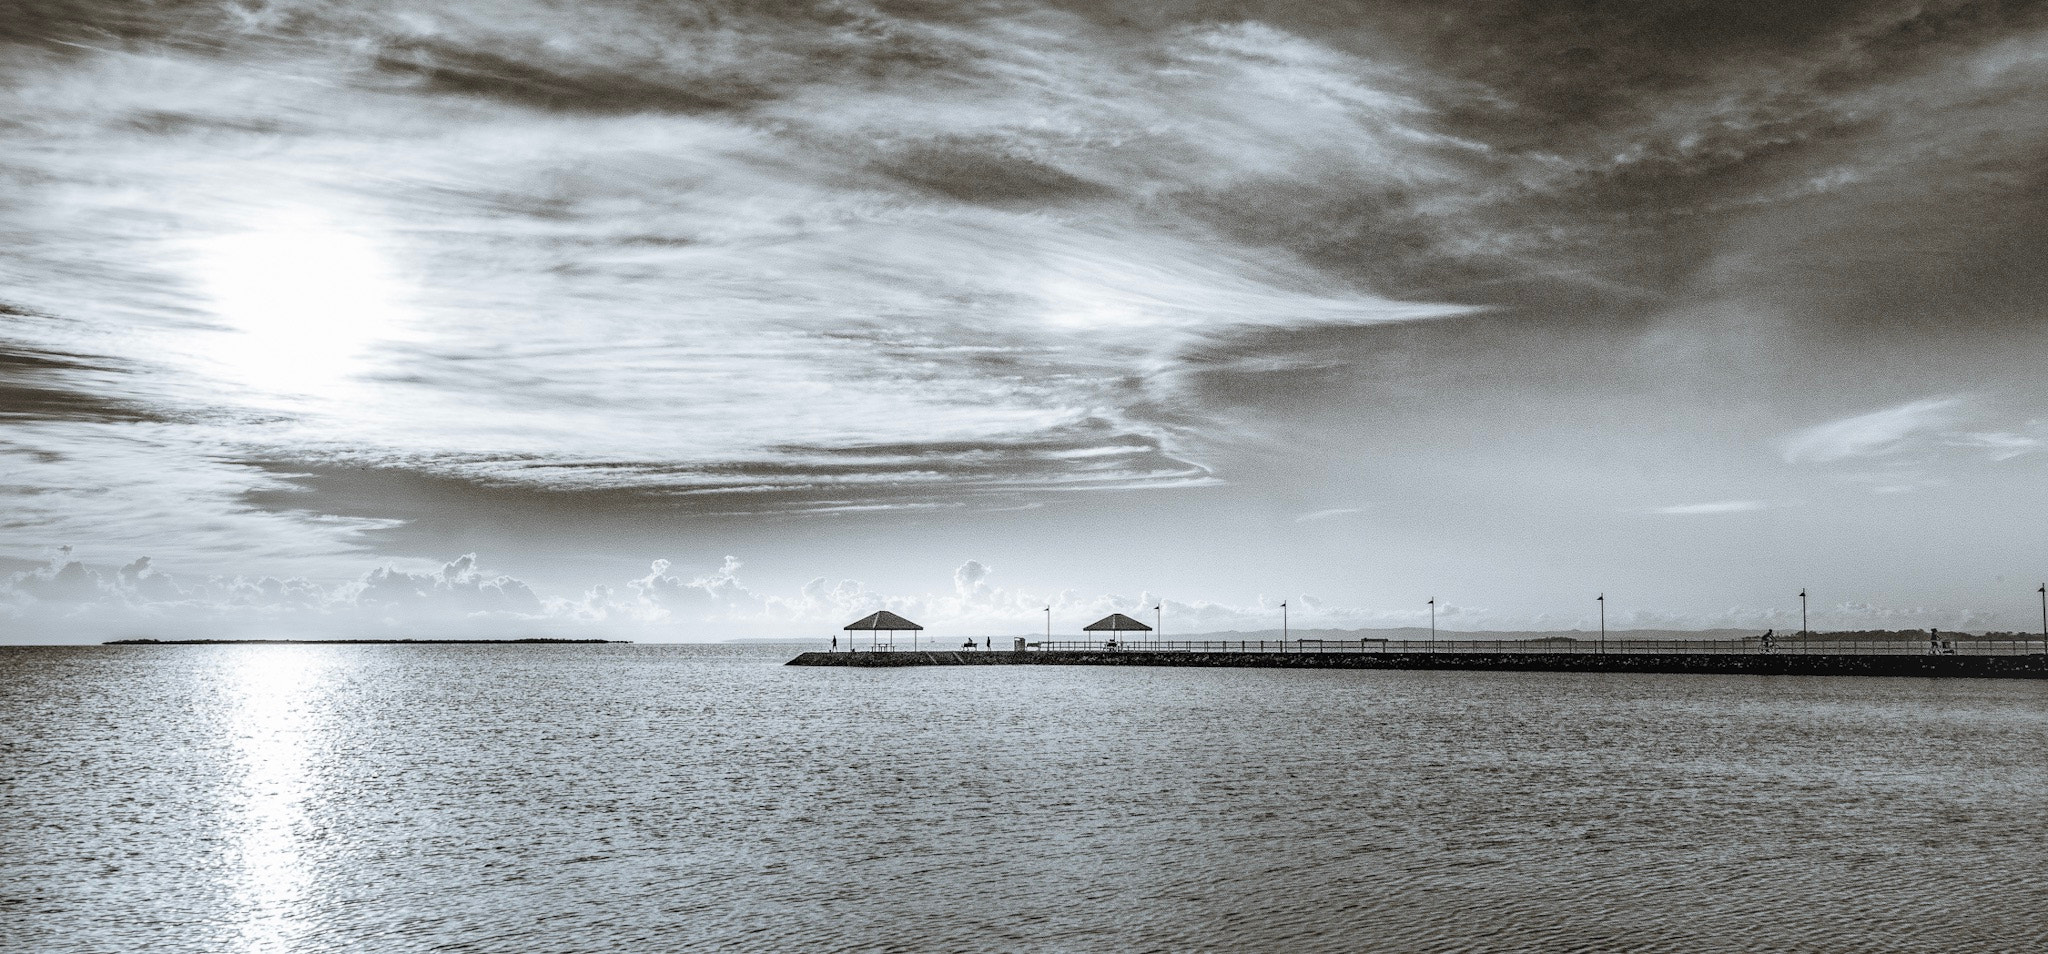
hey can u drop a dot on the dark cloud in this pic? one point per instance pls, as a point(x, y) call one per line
point(1669, 176)
point(1375, 235)
point(988, 171)
point(619, 55)
point(1895, 38)
point(1966, 266)
point(63, 23)
point(633, 57)
point(527, 77)
point(839, 478)
point(1568, 66)
point(1616, 140)
point(172, 123)
point(1560, 68)
point(37, 384)
point(1089, 453)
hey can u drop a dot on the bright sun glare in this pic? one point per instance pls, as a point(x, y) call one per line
point(277, 693)
point(303, 301)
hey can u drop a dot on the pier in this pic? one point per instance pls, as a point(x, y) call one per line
point(1960, 656)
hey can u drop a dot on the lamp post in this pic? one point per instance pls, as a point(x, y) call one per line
point(1158, 625)
point(1048, 627)
point(2044, 616)
point(1802, 611)
point(1283, 626)
point(1602, 599)
point(1432, 624)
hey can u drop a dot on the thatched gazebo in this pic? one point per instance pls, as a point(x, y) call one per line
point(883, 621)
point(1113, 624)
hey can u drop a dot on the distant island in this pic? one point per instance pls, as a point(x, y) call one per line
point(341, 642)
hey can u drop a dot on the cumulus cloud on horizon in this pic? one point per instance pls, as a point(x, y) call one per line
point(66, 600)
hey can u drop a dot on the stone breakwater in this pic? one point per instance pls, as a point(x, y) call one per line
point(1976, 667)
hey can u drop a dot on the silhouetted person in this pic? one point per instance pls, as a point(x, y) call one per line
point(835, 644)
point(1767, 640)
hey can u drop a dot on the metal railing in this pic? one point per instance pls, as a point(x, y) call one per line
point(1783, 646)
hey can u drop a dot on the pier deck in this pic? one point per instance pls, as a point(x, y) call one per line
point(2034, 666)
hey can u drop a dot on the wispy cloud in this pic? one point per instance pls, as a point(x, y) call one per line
point(1873, 434)
point(1314, 516)
point(2002, 445)
point(814, 265)
point(1915, 446)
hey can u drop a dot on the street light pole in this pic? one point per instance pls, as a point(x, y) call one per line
point(1602, 598)
point(2044, 616)
point(1158, 625)
point(1432, 624)
point(1283, 626)
point(1048, 627)
point(1802, 612)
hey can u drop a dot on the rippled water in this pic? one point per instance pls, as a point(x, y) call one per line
point(651, 798)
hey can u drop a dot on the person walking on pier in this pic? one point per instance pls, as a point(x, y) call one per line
point(1767, 641)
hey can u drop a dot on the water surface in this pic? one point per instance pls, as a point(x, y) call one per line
point(642, 798)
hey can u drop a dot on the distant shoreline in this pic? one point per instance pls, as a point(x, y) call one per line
point(344, 642)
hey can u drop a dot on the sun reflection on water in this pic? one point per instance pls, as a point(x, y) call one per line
point(276, 714)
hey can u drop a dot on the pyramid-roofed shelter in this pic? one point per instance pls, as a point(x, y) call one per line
point(1116, 623)
point(884, 620)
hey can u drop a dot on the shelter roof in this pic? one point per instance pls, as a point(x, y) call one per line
point(1116, 623)
point(885, 621)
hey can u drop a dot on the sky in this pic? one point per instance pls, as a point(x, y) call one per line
point(701, 321)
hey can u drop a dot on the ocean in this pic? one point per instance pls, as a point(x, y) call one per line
point(539, 798)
